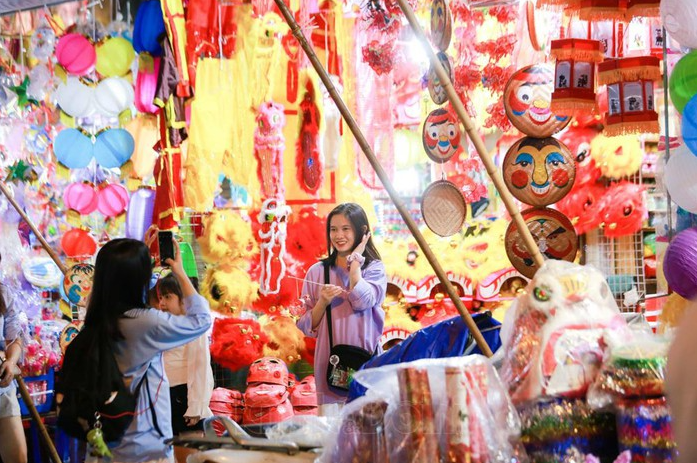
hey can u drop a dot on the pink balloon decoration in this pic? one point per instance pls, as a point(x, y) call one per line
point(139, 214)
point(76, 54)
point(113, 199)
point(81, 197)
point(146, 84)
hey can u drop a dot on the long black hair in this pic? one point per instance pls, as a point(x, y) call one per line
point(3, 304)
point(359, 222)
point(121, 280)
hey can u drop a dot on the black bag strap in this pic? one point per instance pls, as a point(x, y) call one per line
point(151, 405)
point(328, 310)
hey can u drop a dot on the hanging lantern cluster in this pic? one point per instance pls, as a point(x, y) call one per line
point(630, 94)
point(574, 76)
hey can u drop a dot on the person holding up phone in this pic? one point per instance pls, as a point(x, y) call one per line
point(343, 297)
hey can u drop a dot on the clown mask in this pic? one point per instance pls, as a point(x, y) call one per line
point(441, 135)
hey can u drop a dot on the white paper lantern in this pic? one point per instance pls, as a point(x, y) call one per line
point(679, 177)
point(113, 95)
point(680, 20)
point(75, 98)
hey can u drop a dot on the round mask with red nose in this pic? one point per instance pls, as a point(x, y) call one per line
point(527, 99)
point(441, 135)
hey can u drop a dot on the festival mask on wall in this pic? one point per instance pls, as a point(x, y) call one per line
point(623, 209)
point(617, 157)
point(78, 283)
point(435, 87)
point(553, 233)
point(578, 140)
point(441, 135)
point(527, 99)
point(441, 25)
point(539, 171)
point(583, 206)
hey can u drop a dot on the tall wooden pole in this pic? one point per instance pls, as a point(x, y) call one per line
point(477, 141)
point(370, 155)
point(23, 391)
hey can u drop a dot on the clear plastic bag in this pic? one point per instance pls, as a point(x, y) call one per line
point(306, 431)
point(453, 409)
point(553, 338)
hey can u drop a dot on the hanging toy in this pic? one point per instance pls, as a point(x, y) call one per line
point(269, 144)
point(95, 437)
point(310, 170)
point(273, 218)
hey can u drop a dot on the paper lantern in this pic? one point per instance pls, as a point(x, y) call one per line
point(643, 8)
point(76, 54)
point(75, 98)
point(680, 263)
point(597, 10)
point(689, 125)
point(73, 148)
point(679, 177)
point(114, 57)
point(113, 199)
point(630, 94)
point(113, 95)
point(81, 197)
point(683, 81)
point(146, 84)
point(78, 243)
point(148, 27)
point(574, 76)
point(139, 213)
point(679, 18)
point(113, 147)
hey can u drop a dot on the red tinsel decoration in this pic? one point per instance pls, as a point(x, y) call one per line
point(497, 117)
point(504, 14)
point(462, 12)
point(498, 48)
point(467, 77)
point(381, 57)
point(496, 77)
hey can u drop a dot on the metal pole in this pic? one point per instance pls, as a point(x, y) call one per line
point(489, 164)
point(370, 155)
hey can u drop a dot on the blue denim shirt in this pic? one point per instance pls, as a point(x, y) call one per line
point(148, 333)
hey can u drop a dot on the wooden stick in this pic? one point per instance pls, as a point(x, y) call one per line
point(491, 168)
point(20, 382)
point(39, 236)
point(370, 155)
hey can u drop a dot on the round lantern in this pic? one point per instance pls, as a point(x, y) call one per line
point(113, 147)
point(146, 85)
point(539, 171)
point(689, 125)
point(73, 148)
point(77, 283)
point(81, 197)
point(441, 24)
point(680, 263)
point(78, 243)
point(114, 57)
point(113, 199)
point(679, 18)
point(139, 213)
point(113, 95)
point(631, 106)
point(148, 27)
point(76, 54)
point(574, 78)
point(683, 81)
point(527, 99)
point(75, 98)
point(679, 177)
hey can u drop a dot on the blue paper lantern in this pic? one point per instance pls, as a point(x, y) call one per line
point(148, 27)
point(113, 148)
point(689, 124)
point(73, 149)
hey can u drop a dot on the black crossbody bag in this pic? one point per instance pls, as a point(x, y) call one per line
point(344, 359)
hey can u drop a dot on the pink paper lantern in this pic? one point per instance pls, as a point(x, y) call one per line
point(76, 54)
point(81, 197)
point(146, 84)
point(113, 199)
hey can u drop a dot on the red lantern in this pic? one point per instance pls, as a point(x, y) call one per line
point(596, 10)
point(631, 105)
point(113, 199)
point(78, 243)
point(81, 197)
point(574, 74)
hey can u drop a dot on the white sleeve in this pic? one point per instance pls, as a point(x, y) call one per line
point(199, 377)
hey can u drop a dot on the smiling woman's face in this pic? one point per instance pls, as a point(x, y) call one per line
point(341, 234)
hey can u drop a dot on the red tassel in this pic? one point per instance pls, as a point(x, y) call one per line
point(310, 166)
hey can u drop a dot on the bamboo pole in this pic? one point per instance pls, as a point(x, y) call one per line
point(370, 155)
point(23, 391)
point(489, 164)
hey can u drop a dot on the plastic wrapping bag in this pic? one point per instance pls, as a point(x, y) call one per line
point(631, 368)
point(552, 339)
point(453, 409)
point(306, 431)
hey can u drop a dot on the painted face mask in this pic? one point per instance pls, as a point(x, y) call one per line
point(441, 135)
point(539, 171)
point(527, 99)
